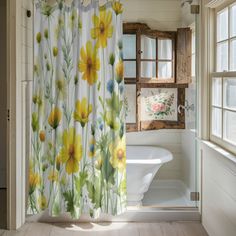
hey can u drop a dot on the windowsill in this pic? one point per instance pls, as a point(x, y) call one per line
point(220, 151)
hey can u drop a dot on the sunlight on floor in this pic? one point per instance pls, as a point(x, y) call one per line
point(95, 227)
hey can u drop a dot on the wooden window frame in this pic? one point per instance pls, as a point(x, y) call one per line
point(140, 29)
point(158, 35)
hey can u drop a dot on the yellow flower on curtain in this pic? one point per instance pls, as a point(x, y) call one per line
point(42, 135)
point(54, 118)
point(117, 7)
point(61, 88)
point(98, 162)
point(82, 111)
point(55, 51)
point(119, 71)
point(42, 201)
point(58, 162)
point(73, 18)
point(38, 37)
point(103, 28)
point(53, 175)
point(89, 63)
point(92, 147)
point(34, 181)
point(71, 152)
point(118, 151)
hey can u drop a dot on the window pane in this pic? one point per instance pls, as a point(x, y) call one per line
point(216, 121)
point(164, 70)
point(148, 47)
point(148, 69)
point(230, 93)
point(129, 46)
point(130, 69)
point(222, 25)
point(233, 54)
point(217, 92)
point(230, 126)
point(233, 20)
point(164, 49)
point(130, 103)
point(222, 56)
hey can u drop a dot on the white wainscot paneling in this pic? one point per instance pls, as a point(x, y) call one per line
point(189, 158)
point(218, 191)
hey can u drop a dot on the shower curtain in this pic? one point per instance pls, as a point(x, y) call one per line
point(78, 153)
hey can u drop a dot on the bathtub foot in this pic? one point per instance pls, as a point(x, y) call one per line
point(134, 199)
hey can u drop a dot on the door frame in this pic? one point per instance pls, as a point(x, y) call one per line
point(15, 157)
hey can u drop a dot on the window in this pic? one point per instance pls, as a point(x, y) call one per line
point(157, 58)
point(223, 80)
point(153, 91)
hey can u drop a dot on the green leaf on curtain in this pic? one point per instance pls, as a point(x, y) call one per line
point(72, 201)
point(35, 122)
point(80, 181)
point(114, 103)
point(122, 187)
point(56, 209)
point(94, 192)
point(69, 199)
point(107, 169)
point(112, 121)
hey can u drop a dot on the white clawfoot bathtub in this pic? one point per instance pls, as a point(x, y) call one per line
point(143, 162)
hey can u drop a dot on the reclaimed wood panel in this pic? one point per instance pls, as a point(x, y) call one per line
point(184, 56)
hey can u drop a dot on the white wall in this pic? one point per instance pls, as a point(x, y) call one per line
point(218, 191)
point(158, 14)
point(3, 95)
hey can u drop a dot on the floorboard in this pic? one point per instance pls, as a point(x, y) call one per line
point(110, 229)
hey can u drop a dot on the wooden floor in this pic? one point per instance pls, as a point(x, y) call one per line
point(110, 229)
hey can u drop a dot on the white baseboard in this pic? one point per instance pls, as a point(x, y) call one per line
point(131, 215)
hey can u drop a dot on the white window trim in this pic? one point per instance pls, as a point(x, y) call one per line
point(212, 73)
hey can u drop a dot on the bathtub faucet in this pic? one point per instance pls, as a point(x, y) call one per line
point(186, 107)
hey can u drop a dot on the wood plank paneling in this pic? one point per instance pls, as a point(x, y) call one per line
point(183, 56)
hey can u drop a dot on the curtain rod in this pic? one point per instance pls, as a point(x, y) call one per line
point(86, 2)
point(83, 3)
